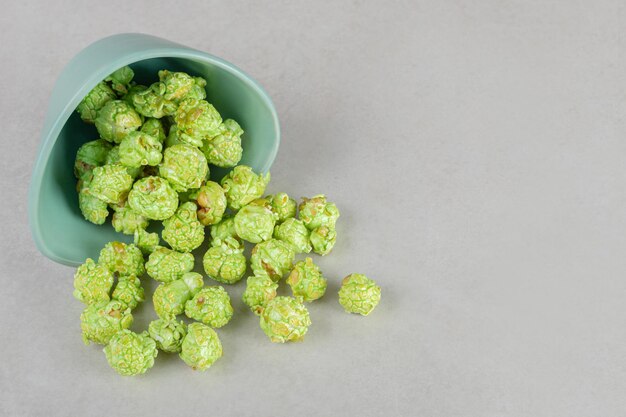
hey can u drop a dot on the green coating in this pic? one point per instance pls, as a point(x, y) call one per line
point(120, 80)
point(101, 320)
point(132, 92)
point(183, 232)
point(176, 85)
point(259, 291)
point(211, 202)
point(224, 150)
point(273, 258)
point(92, 282)
point(211, 306)
point(168, 334)
point(92, 208)
point(100, 95)
point(306, 281)
point(128, 221)
point(285, 319)
point(90, 155)
point(223, 230)
point(323, 240)
point(242, 186)
point(154, 127)
point(255, 223)
point(139, 148)
point(110, 183)
point(201, 347)
point(116, 119)
point(129, 291)
point(359, 294)
point(198, 90)
point(224, 261)
point(125, 259)
point(166, 265)
point(154, 198)
point(196, 119)
point(173, 138)
point(146, 242)
point(131, 353)
point(169, 298)
point(113, 157)
point(184, 166)
point(294, 232)
point(283, 205)
point(316, 212)
point(151, 103)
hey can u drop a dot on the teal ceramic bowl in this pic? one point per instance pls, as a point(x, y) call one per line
point(57, 225)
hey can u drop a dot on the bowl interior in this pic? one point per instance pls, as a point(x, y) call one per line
point(68, 237)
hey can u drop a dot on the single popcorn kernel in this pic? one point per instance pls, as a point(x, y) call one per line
point(259, 291)
point(125, 259)
point(273, 258)
point(166, 265)
point(120, 80)
point(130, 353)
point(224, 261)
point(359, 294)
point(169, 298)
point(285, 319)
point(224, 150)
point(138, 149)
point(128, 221)
point(101, 320)
point(283, 206)
point(129, 291)
point(242, 186)
point(306, 281)
point(211, 203)
point(116, 119)
point(154, 128)
point(323, 240)
point(100, 95)
point(168, 334)
point(196, 119)
point(316, 212)
point(89, 156)
point(183, 232)
point(153, 198)
point(177, 85)
point(146, 242)
point(92, 282)
point(254, 223)
point(110, 183)
point(149, 102)
point(211, 306)
point(113, 158)
point(184, 166)
point(201, 347)
point(92, 208)
point(294, 232)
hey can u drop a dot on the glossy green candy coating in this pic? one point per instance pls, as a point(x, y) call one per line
point(116, 120)
point(224, 261)
point(110, 183)
point(183, 232)
point(113, 157)
point(211, 306)
point(139, 148)
point(254, 223)
point(92, 282)
point(323, 240)
point(211, 202)
point(151, 103)
point(224, 150)
point(359, 294)
point(92, 208)
point(294, 232)
point(306, 281)
point(120, 80)
point(131, 353)
point(127, 221)
point(101, 320)
point(90, 155)
point(259, 291)
point(223, 230)
point(197, 119)
point(285, 319)
point(273, 258)
point(201, 347)
point(154, 128)
point(173, 138)
point(125, 259)
point(316, 212)
point(283, 205)
point(132, 92)
point(146, 242)
point(168, 334)
point(166, 265)
point(169, 298)
point(129, 291)
point(100, 95)
point(176, 85)
point(197, 91)
point(242, 186)
point(154, 198)
point(184, 167)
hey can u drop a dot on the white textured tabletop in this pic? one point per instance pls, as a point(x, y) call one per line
point(476, 150)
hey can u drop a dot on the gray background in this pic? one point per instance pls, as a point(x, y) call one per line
point(477, 152)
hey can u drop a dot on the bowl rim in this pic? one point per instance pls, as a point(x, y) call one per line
point(50, 135)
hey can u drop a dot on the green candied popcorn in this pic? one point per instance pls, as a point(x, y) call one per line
point(254, 223)
point(131, 353)
point(294, 232)
point(183, 232)
point(224, 229)
point(359, 294)
point(196, 119)
point(110, 183)
point(173, 138)
point(154, 198)
point(101, 320)
point(273, 258)
point(93, 209)
point(151, 103)
point(224, 150)
point(285, 319)
point(90, 155)
point(316, 212)
point(125, 259)
point(323, 239)
point(92, 282)
point(132, 92)
point(197, 91)
point(139, 148)
point(224, 261)
point(306, 281)
point(129, 291)
point(116, 120)
point(259, 291)
point(154, 128)
point(168, 334)
point(211, 306)
point(242, 186)
point(176, 85)
point(201, 347)
point(211, 202)
point(120, 80)
point(146, 242)
point(184, 167)
point(166, 265)
point(283, 206)
point(100, 95)
point(113, 158)
point(128, 221)
point(169, 298)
